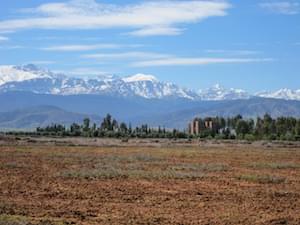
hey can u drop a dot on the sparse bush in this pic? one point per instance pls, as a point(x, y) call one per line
point(250, 137)
point(289, 137)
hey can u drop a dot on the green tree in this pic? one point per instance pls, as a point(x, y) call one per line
point(75, 129)
point(106, 124)
point(115, 125)
point(259, 127)
point(86, 124)
point(297, 128)
point(123, 128)
point(242, 128)
point(281, 126)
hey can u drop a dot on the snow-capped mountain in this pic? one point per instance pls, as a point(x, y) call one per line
point(22, 73)
point(31, 78)
point(148, 86)
point(217, 92)
point(285, 93)
point(34, 79)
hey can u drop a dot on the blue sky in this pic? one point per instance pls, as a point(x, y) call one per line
point(249, 44)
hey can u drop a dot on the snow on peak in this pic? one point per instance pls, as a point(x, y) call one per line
point(217, 87)
point(106, 77)
point(11, 73)
point(217, 92)
point(284, 93)
point(140, 77)
point(32, 78)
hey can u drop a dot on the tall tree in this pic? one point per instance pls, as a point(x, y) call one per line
point(297, 128)
point(86, 124)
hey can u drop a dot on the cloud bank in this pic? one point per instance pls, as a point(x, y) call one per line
point(147, 18)
point(197, 61)
point(282, 7)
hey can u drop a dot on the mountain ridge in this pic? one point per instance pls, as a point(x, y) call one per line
point(43, 81)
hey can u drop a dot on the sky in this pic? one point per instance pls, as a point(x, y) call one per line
point(250, 44)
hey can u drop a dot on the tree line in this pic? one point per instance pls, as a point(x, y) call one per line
point(261, 128)
point(111, 128)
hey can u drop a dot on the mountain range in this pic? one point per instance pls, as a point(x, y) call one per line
point(32, 97)
point(42, 81)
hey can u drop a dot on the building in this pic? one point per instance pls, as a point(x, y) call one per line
point(198, 125)
point(194, 127)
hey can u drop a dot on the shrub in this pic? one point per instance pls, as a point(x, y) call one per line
point(250, 137)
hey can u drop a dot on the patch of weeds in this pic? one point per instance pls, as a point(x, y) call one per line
point(115, 173)
point(275, 166)
point(22, 220)
point(14, 220)
point(6, 208)
point(13, 165)
point(211, 167)
point(141, 166)
point(145, 158)
point(109, 173)
point(262, 179)
point(187, 154)
point(171, 174)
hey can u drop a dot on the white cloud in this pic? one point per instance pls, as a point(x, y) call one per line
point(153, 31)
point(126, 55)
point(282, 7)
point(74, 48)
point(196, 61)
point(3, 38)
point(232, 52)
point(83, 71)
point(12, 47)
point(145, 18)
point(6, 31)
point(151, 59)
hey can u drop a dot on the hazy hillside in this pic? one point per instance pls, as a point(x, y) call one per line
point(40, 116)
point(247, 108)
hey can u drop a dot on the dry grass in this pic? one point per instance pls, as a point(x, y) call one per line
point(142, 166)
point(262, 179)
point(112, 173)
point(13, 165)
point(23, 220)
point(277, 165)
point(13, 220)
point(149, 185)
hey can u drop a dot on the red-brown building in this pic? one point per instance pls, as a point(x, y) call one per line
point(198, 125)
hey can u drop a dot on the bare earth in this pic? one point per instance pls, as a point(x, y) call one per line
point(102, 181)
